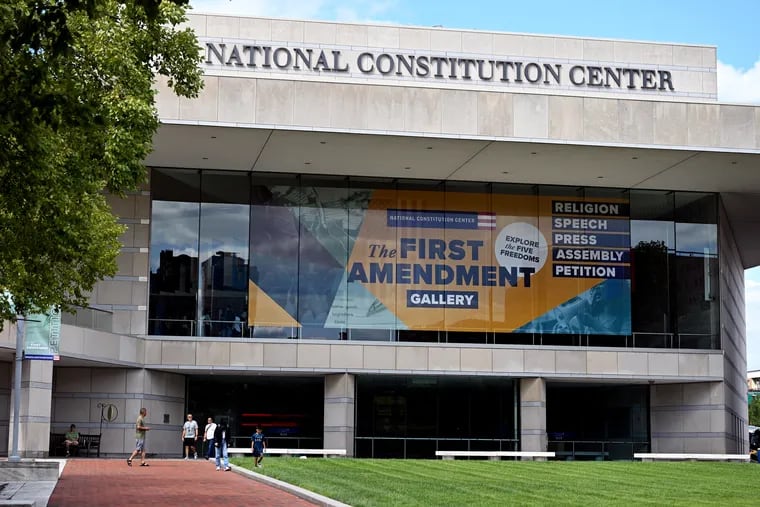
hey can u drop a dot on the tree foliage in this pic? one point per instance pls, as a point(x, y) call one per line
point(77, 118)
point(754, 411)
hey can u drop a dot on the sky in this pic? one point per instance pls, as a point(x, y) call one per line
point(731, 25)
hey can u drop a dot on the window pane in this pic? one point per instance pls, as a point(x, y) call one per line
point(697, 270)
point(274, 256)
point(652, 251)
point(224, 254)
point(322, 256)
point(469, 201)
point(370, 308)
point(173, 252)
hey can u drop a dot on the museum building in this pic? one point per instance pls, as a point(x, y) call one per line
point(396, 240)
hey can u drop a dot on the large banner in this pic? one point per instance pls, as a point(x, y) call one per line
point(418, 260)
point(42, 332)
point(43, 335)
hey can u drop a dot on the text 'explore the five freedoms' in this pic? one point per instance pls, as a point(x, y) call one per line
point(439, 67)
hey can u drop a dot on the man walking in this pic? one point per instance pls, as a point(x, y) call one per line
point(140, 438)
point(258, 446)
point(190, 436)
point(208, 438)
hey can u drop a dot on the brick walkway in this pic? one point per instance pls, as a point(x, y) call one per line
point(110, 482)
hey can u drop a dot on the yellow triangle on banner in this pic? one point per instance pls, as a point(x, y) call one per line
point(264, 311)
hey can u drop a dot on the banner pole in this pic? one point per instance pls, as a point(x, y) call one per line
point(20, 335)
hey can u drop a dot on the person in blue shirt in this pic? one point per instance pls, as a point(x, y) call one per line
point(258, 447)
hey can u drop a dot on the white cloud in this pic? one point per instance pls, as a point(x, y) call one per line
point(752, 316)
point(281, 8)
point(339, 10)
point(739, 85)
point(751, 290)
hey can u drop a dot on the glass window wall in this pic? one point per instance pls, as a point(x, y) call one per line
point(336, 258)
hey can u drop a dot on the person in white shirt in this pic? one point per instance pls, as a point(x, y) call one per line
point(208, 438)
point(190, 436)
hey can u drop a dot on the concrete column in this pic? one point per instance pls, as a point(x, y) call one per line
point(36, 399)
point(339, 412)
point(690, 418)
point(533, 414)
point(163, 394)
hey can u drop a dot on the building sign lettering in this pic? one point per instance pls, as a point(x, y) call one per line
point(435, 67)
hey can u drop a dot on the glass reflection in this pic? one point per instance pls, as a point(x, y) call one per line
point(223, 269)
point(322, 256)
point(173, 268)
point(274, 231)
point(697, 270)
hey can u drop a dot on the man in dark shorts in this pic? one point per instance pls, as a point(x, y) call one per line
point(190, 437)
point(258, 447)
point(140, 438)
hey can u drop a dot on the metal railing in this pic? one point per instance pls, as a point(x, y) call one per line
point(599, 450)
point(425, 447)
point(277, 441)
point(241, 330)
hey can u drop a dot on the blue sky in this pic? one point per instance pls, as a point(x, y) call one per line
point(731, 25)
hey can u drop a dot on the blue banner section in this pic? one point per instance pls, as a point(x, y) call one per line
point(583, 239)
point(441, 299)
point(591, 255)
point(428, 219)
point(590, 271)
point(605, 309)
point(591, 225)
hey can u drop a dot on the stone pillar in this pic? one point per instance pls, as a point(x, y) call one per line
point(339, 412)
point(533, 414)
point(6, 376)
point(36, 399)
point(690, 418)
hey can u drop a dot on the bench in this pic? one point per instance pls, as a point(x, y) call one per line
point(670, 456)
point(292, 452)
point(495, 455)
point(87, 443)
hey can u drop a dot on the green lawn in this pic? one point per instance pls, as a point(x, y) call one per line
point(369, 482)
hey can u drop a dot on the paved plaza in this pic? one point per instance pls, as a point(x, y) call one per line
point(111, 483)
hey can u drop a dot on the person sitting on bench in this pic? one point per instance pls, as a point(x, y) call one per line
point(71, 439)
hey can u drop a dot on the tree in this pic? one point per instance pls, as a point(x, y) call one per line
point(754, 411)
point(77, 118)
